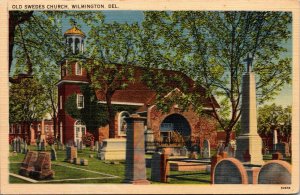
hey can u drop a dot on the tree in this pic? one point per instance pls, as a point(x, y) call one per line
point(275, 117)
point(27, 102)
point(210, 47)
point(36, 47)
point(93, 114)
point(112, 51)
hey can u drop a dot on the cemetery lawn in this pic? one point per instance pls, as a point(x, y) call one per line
point(98, 171)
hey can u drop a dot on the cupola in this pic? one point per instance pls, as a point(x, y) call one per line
point(75, 39)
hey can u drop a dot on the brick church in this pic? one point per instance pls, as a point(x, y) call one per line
point(189, 124)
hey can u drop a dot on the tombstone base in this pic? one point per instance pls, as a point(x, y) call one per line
point(39, 175)
point(24, 172)
point(249, 149)
point(113, 149)
point(252, 173)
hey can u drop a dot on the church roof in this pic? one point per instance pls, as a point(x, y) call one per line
point(139, 93)
point(74, 31)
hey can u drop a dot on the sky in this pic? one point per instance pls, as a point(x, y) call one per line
point(285, 96)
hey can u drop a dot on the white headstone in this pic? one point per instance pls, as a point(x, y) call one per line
point(275, 140)
point(206, 149)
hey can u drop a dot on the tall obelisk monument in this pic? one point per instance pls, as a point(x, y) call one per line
point(249, 143)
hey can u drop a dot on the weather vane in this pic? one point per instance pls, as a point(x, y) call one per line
point(73, 22)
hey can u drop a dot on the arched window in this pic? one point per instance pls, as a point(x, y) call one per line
point(122, 125)
point(70, 42)
point(79, 130)
point(77, 46)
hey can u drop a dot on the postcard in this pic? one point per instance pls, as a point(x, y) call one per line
point(149, 97)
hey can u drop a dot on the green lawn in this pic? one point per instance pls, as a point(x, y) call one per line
point(65, 171)
point(99, 171)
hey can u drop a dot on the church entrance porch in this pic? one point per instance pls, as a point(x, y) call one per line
point(175, 130)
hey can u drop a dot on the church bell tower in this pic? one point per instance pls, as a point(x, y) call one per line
point(73, 77)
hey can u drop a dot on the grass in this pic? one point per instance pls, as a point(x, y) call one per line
point(94, 164)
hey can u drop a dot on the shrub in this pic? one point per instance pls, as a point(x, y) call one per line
point(88, 139)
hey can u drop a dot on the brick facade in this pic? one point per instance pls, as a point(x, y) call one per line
point(202, 127)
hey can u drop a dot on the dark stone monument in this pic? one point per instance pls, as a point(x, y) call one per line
point(275, 172)
point(28, 163)
point(135, 165)
point(230, 171)
point(160, 168)
point(283, 148)
point(18, 145)
point(42, 167)
point(71, 153)
point(53, 153)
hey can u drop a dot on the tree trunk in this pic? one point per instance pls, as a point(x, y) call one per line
point(227, 140)
point(54, 126)
point(111, 116)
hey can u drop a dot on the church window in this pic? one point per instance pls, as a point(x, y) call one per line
point(77, 46)
point(78, 69)
point(80, 101)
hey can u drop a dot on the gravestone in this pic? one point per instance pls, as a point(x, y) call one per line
point(194, 155)
point(135, 164)
point(42, 167)
point(275, 140)
point(275, 172)
point(53, 153)
point(84, 162)
point(96, 146)
point(220, 148)
point(24, 148)
point(229, 171)
point(284, 149)
point(206, 149)
point(59, 145)
point(149, 141)
point(80, 145)
point(71, 153)
point(113, 149)
point(160, 168)
point(18, 145)
point(195, 148)
point(230, 150)
point(28, 163)
point(15, 145)
point(183, 151)
point(76, 161)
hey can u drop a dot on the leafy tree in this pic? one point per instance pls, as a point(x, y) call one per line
point(27, 102)
point(210, 47)
point(36, 47)
point(271, 117)
point(94, 114)
point(112, 52)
